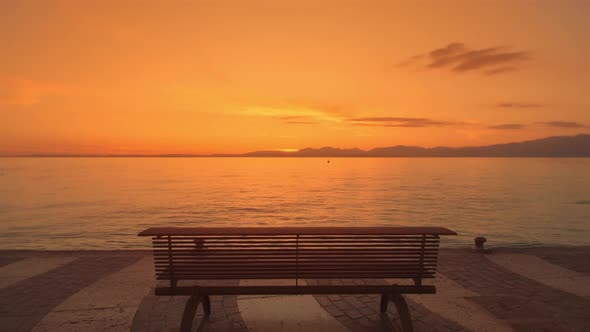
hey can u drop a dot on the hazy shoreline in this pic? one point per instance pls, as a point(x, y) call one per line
point(577, 146)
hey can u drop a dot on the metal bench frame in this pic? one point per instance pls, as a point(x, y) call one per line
point(205, 253)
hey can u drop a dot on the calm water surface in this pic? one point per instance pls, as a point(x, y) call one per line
point(102, 203)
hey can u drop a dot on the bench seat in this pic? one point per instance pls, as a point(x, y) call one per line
point(196, 256)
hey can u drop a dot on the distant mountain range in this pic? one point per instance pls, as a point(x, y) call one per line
point(557, 146)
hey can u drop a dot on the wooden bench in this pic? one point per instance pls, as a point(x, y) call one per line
point(199, 253)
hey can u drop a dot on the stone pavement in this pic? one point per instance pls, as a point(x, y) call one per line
point(532, 289)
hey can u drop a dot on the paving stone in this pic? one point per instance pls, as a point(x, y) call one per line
point(370, 319)
point(520, 301)
point(26, 302)
point(575, 258)
point(108, 304)
point(367, 311)
point(353, 313)
point(5, 260)
point(157, 313)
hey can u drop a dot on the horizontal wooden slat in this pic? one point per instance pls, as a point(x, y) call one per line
point(155, 231)
point(286, 265)
point(295, 290)
point(287, 244)
point(162, 269)
point(299, 251)
point(301, 240)
point(210, 246)
point(290, 271)
point(289, 268)
point(229, 259)
point(428, 246)
point(301, 262)
point(321, 257)
point(292, 276)
point(316, 267)
point(308, 252)
point(275, 275)
point(193, 248)
point(324, 239)
point(300, 254)
point(324, 257)
point(294, 262)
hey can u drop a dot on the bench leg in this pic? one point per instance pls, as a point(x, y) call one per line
point(206, 305)
point(404, 312)
point(384, 302)
point(402, 309)
point(189, 313)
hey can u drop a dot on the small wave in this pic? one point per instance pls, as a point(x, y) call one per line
point(72, 204)
point(584, 202)
point(248, 209)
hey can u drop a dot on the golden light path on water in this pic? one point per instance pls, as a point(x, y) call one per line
point(92, 203)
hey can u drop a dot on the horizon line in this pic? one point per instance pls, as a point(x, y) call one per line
point(281, 153)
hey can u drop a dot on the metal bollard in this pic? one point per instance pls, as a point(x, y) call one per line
point(479, 241)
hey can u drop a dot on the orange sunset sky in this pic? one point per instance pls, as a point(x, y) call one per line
point(237, 76)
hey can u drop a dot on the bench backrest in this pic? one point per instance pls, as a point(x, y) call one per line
point(291, 253)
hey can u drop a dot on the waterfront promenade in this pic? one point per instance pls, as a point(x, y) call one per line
point(533, 289)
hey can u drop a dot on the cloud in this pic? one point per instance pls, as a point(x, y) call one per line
point(459, 58)
point(399, 122)
point(297, 119)
point(508, 126)
point(301, 122)
point(500, 70)
point(518, 126)
point(563, 124)
point(294, 118)
point(291, 113)
point(517, 105)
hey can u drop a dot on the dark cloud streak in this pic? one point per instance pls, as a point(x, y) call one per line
point(508, 126)
point(458, 58)
point(402, 122)
point(301, 122)
point(563, 124)
point(500, 70)
point(517, 105)
point(297, 119)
